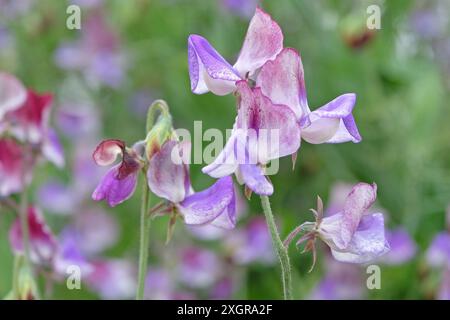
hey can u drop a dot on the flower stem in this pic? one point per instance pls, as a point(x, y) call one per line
point(281, 250)
point(144, 241)
point(23, 214)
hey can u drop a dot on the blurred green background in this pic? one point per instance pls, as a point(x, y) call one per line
point(402, 113)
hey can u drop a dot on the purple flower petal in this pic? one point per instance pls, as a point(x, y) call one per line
point(206, 206)
point(333, 122)
point(276, 128)
point(402, 246)
point(438, 253)
point(253, 177)
point(52, 149)
point(168, 174)
point(198, 268)
point(282, 80)
point(208, 70)
point(263, 41)
point(368, 242)
point(113, 189)
point(360, 199)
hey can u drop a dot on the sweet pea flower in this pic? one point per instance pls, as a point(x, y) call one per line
point(403, 247)
point(209, 71)
point(28, 121)
point(168, 178)
point(354, 235)
point(113, 279)
point(263, 131)
point(198, 268)
point(282, 80)
point(251, 244)
point(15, 169)
point(43, 245)
point(438, 254)
point(119, 182)
point(12, 94)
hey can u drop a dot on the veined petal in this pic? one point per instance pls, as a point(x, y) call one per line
point(226, 162)
point(227, 219)
point(208, 70)
point(107, 151)
point(205, 206)
point(115, 190)
point(253, 177)
point(168, 174)
point(263, 41)
point(361, 198)
point(282, 80)
point(368, 242)
point(333, 122)
point(12, 93)
point(275, 126)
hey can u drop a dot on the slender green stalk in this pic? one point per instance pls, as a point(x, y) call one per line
point(23, 214)
point(281, 250)
point(144, 241)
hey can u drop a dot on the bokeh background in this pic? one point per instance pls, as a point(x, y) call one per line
point(129, 53)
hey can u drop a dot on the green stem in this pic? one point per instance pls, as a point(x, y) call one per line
point(144, 241)
point(15, 284)
point(25, 228)
point(281, 250)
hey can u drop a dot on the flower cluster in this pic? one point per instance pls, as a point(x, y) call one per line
point(269, 82)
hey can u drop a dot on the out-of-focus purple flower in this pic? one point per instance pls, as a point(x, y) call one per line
point(87, 3)
point(282, 80)
point(15, 171)
point(158, 285)
point(78, 120)
point(119, 183)
point(96, 53)
point(403, 247)
point(242, 8)
point(57, 198)
point(140, 101)
point(263, 131)
point(444, 290)
point(168, 178)
point(43, 245)
point(354, 235)
point(69, 254)
point(438, 254)
point(198, 268)
point(113, 279)
point(13, 8)
point(209, 71)
point(342, 281)
point(97, 231)
point(252, 243)
point(223, 289)
point(86, 173)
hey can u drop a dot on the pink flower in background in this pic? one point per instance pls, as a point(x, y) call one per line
point(342, 281)
point(43, 245)
point(119, 183)
point(251, 244)
point(209, 71)
point(15, 171)
point(198, 267)
point(113, 279)
point(97, 53)
point(170, 180)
